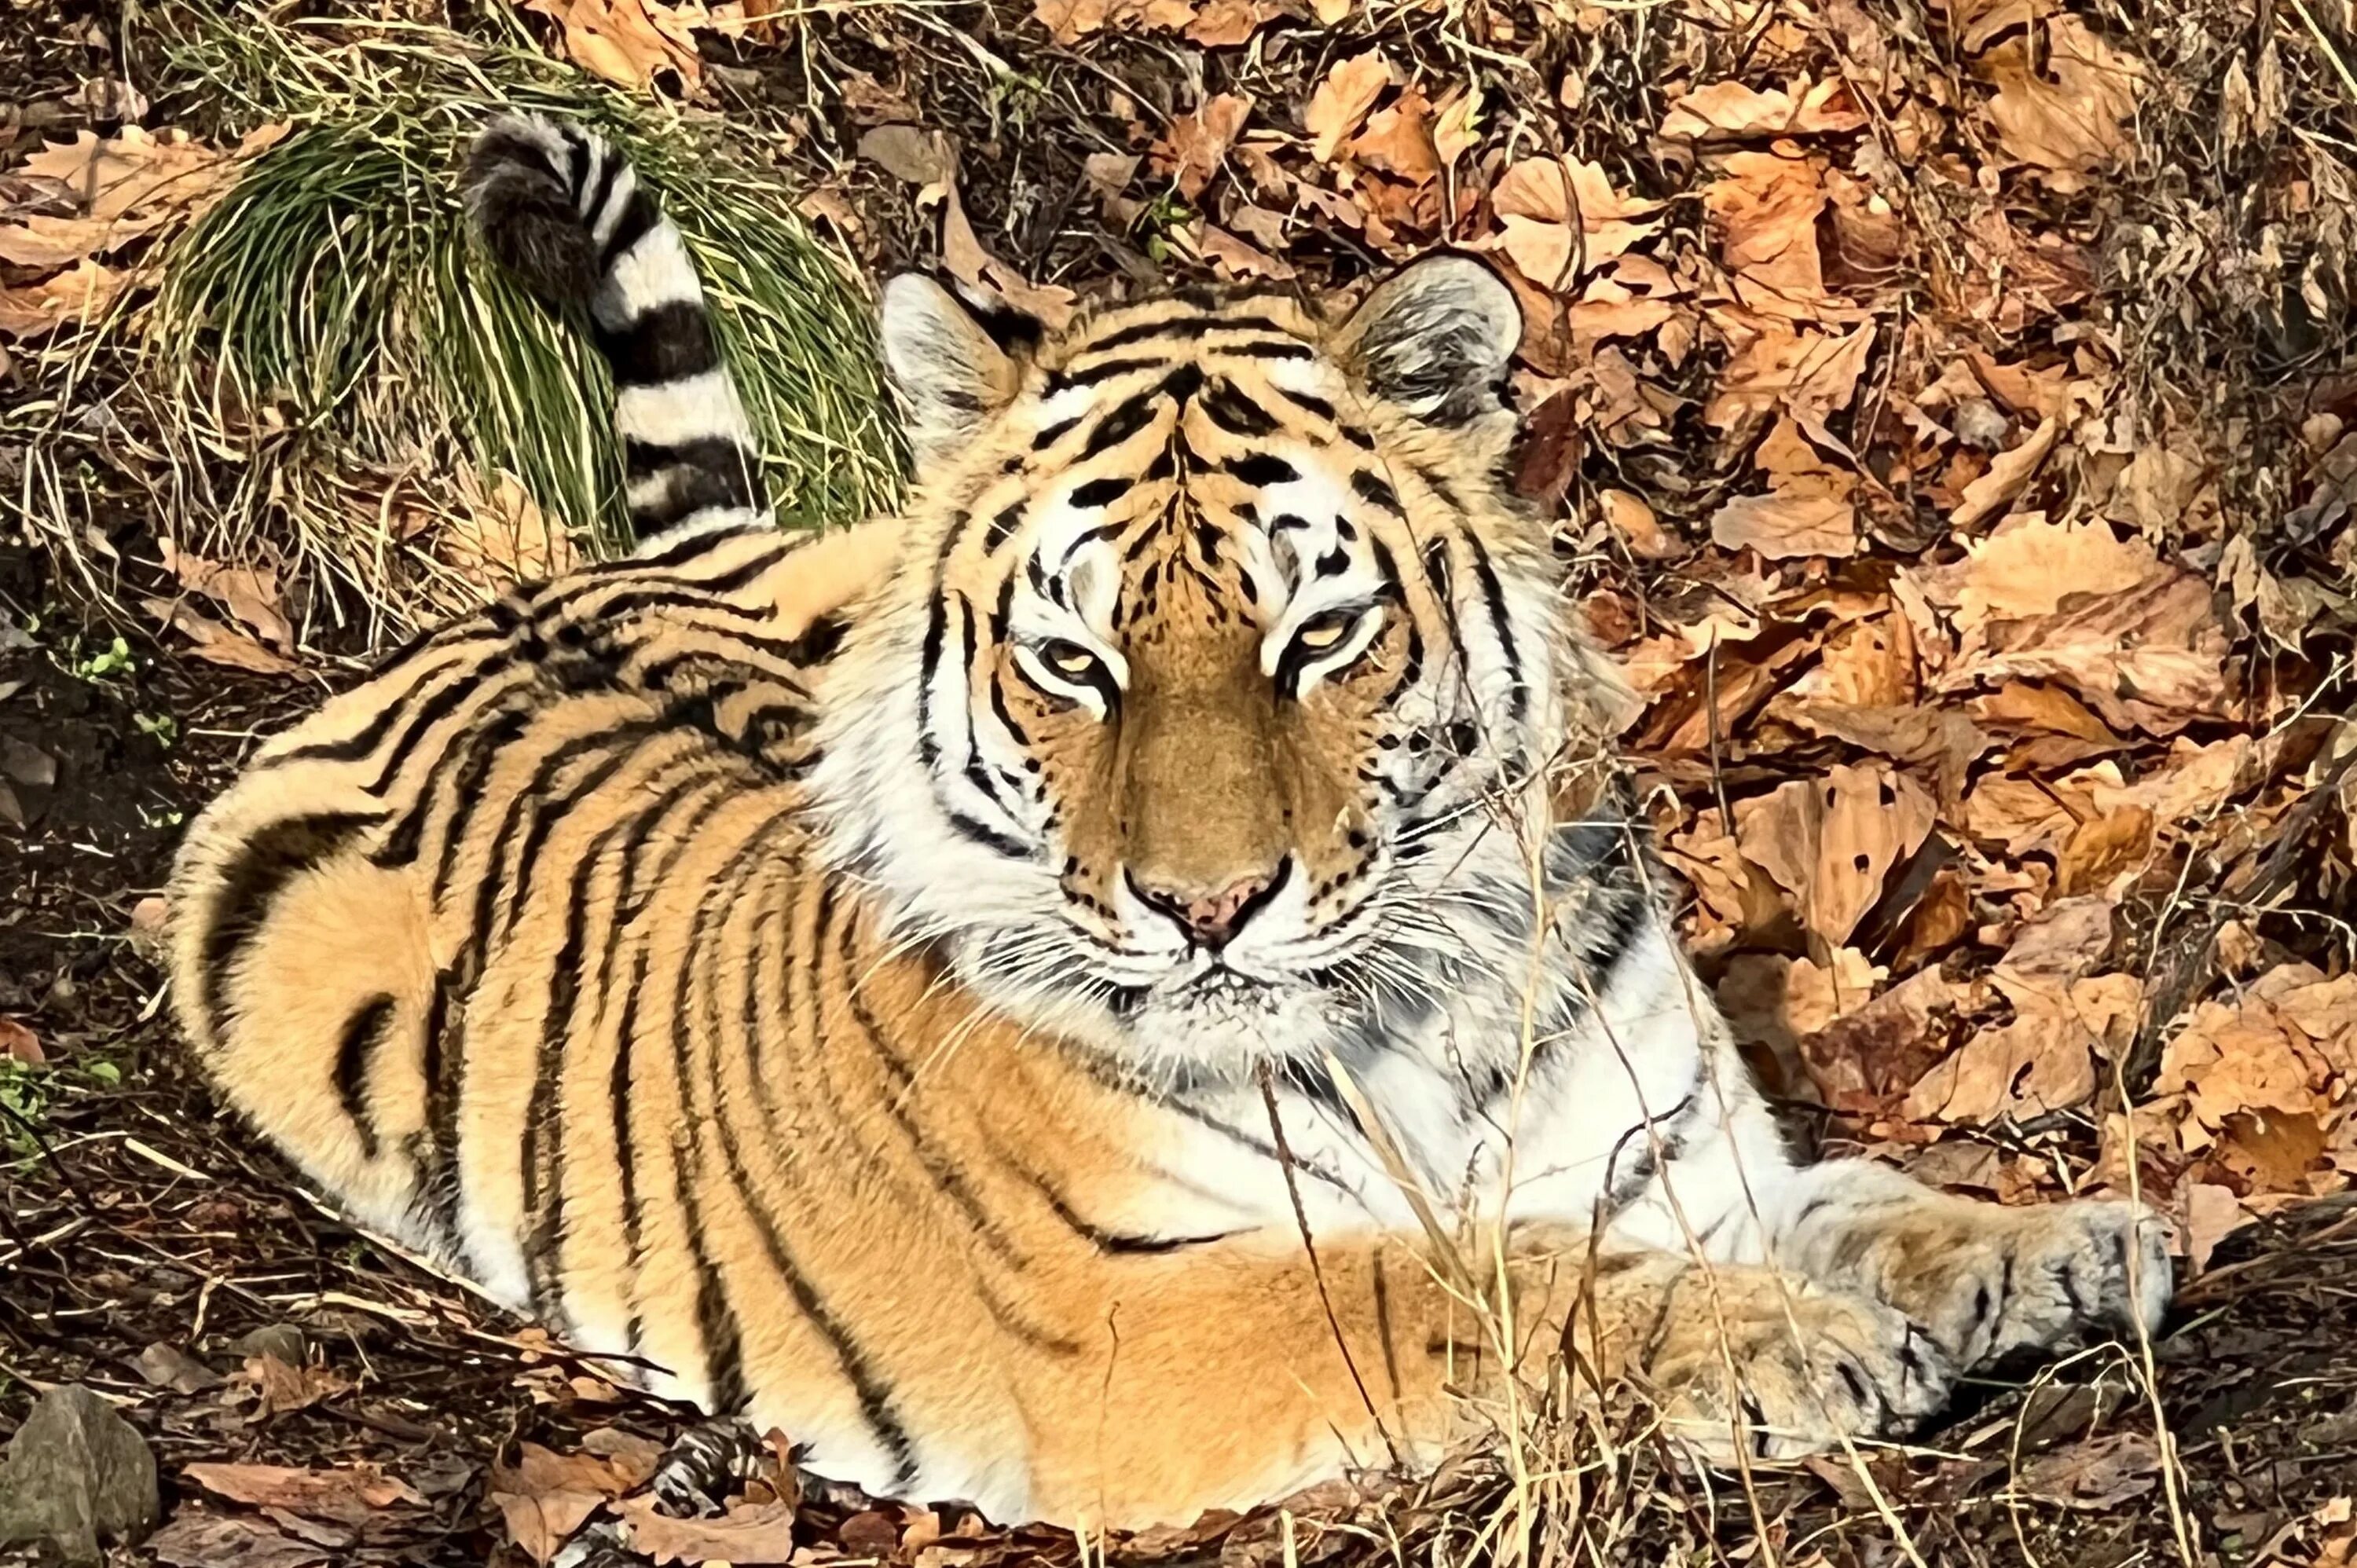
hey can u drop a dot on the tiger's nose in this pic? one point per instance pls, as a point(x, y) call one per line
point(1213, 919)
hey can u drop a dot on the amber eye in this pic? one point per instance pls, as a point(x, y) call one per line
point(1068, 659)
point(1321, 633)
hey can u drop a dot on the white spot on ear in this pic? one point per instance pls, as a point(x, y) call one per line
point(951, 376)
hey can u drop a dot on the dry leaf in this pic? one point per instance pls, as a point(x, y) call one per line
point(1633, 520)
point(285, 1388)
point(1343, 102)
point(1398, 140)
point(546, 1496)
point(747, 1533)
point(1730, 111)
point(1200, 139)
point(1232, 256)
point(1764, 213)
point(913, 153)
point(963, 255)
point(1552, 189)
point(78, 295)
point(346, 1495)
point(2094, 1474)
point(1223, 24)
point(248, 593)
point(1072, 20)
point(20, 1044)
point(2151, 657)
point(2069, 121)
point(502, 537)
point(2006, 478)
point(1831, 843)
point(630, 42)
point(216, 642)
point(230, 1540)
point(1786, 524)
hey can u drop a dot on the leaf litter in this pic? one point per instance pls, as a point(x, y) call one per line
point(1984, 657)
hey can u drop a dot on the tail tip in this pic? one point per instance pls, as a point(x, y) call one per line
point(522, 204)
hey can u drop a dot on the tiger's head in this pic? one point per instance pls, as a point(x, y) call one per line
point(1217, 642)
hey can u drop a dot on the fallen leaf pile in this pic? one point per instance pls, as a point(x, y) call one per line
point(68, 212)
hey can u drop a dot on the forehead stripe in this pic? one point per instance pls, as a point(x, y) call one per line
point(1000, 528)
point(1184, 327)
point(1234, 411)
point(1375, 491)
point(1062, 380)
point(1262, 469)
point(1100, 492)
point(1133, 415)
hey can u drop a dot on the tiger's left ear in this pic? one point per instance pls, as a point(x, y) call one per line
point(955, 365)
point(1434, 339)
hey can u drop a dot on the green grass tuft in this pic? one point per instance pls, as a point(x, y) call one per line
point(332, 361)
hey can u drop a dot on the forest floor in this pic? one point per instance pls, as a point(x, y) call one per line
point(1950, 411)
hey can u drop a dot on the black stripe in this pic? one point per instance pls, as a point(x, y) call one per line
point(1054, 433)
point(356, 1050)
point(472, 751)
point(666, 342)
point(590, 202)
point(1001, 527)
point(966, 827)
point(1305, 401)
point(1097, 1235)
point(875, 1403)
point(547, 817)
point(626, 1151)
point(642, 214)
point(1235, 412)
point(1100, 492)
point(1262, 469)
point(1064, 380)
point(267, 862)
point(929, 663)
point(1132, 416)
point(1376, 491)
point(944, 1175)
point(698, 487)
point(1291, 348)
point(1493, 595)
point(445, 1086)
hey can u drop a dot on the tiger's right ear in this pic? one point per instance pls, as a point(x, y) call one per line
point(954, 366)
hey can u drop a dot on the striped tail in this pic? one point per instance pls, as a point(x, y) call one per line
point(567, 216)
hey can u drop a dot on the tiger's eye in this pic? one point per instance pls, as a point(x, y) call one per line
point(1071, 659)
point(1323, 632)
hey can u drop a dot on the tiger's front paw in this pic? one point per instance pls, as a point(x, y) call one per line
point(2046, 1277)
point(1809, 1371)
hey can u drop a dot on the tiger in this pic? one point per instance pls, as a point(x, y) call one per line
point(1122, 989)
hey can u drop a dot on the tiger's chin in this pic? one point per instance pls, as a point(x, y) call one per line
point(1224, 1025)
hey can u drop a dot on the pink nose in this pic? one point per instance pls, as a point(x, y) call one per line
point(1212, 919)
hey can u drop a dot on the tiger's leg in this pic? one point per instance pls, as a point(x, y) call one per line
point(1220, 1381)
point(1987, 1281)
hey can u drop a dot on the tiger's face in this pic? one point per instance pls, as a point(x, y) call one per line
point(1215, 648)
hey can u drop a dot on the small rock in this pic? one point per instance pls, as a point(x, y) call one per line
point(283, 1340)
point(77, 1472)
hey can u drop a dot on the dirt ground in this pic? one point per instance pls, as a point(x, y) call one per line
point(2122, 298)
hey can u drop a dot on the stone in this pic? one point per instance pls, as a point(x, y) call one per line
point(76, 1474)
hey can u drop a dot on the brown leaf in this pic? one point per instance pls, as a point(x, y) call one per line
point(2006, 478)
point(1342, 103)
point(2151, 657)
point(1232, 255)
point(2095, 1475)
point(2034, 1065)
point(1732, 112)
point(1787, 523)
point(1627, 516)
point(1764, 214)
point(1199, 139)
point(747, 1533)
point(622, 42)
point(217, 643)
point(541, 1523)
point(248, 593)
point(1072, 20)
point(1832, 843)
point(1223, 24)
point(79, 296)
point(910, 153)
point(2072, 119)
point(546, 1496)
point(1551, 189)
point(230, 1540)
point(963, 255)
point(346, 1495)
point(20, 1044)
point(284, 1388)
point(1398, 140)
point(502, 537)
